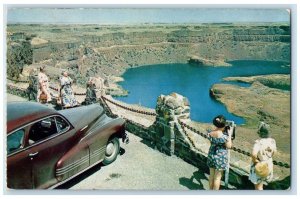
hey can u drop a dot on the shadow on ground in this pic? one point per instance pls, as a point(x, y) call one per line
point(190, 182)
point(84, 175)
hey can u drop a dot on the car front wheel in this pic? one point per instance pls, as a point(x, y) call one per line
point(112, 150)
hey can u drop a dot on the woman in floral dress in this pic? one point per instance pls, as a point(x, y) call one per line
point(217, 159)
point(66, 92)
point(263, 151)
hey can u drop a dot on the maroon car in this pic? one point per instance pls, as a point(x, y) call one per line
point(46, 147)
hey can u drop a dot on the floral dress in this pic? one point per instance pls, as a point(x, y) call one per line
point(264, 148)
point(67, 95)
point(217, 155)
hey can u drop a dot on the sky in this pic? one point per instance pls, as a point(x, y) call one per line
point(47, 15)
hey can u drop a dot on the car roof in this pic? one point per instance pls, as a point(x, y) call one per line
point(21, 113)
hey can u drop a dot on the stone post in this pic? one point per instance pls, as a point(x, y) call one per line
point(169, 109)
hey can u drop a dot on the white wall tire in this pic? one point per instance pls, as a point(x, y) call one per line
point(112, 150)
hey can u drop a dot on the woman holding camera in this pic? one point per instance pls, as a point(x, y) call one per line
point(217, 159)
point(261, 170)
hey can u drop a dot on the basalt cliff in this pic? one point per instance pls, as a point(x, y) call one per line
point(107, 51)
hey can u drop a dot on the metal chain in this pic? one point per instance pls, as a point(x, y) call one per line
point(24, 89)
point(56, 89)
point(20, 81)
point(129, 109)
point(192, 129)
point(53, 88)
point(281, 164)
point(13, 86)
point(190, 139)
point(115, 115)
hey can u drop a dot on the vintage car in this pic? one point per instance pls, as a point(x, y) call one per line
point(46, 148)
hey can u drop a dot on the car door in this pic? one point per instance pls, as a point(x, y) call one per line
point(49, 139)
point(19, 172)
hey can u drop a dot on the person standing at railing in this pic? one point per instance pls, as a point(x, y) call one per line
point(90, 93)
point(43, 94)
point(32, 88)
point(261, 170)
point(217, 159)
point(68, 99)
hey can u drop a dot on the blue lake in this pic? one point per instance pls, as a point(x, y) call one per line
point(146, 83)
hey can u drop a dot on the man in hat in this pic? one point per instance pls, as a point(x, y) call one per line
point(90, 93)
point(33, 85)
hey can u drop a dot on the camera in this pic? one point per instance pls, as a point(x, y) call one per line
point(230, 125)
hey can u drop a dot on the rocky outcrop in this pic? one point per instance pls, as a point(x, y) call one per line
point(273, 81)
point(206, 62)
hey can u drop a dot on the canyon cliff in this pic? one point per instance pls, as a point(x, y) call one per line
point(106, 51)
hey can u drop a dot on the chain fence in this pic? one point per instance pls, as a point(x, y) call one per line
point(51, 87)
point(18, 81)
point(183, 125)
point(104, 99)
point(128, 108)
point(238, 150)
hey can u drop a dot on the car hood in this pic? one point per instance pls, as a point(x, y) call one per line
point(82, 116)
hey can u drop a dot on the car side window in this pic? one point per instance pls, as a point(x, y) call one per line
point(15, 141)
point(62, 125)
point(42, 130)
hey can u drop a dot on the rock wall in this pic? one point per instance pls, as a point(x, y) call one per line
point(110, 50)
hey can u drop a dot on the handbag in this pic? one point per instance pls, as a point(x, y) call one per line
point(43, 97)
point(262, 169)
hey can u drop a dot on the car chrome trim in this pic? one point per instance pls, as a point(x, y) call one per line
point(33, 154)
point(75, 175)
point(98, 152)
point(72, 166)
point(69, 167)
point(84, 128)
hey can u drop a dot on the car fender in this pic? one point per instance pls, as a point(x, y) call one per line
point(72, 162)
point(98, 137)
